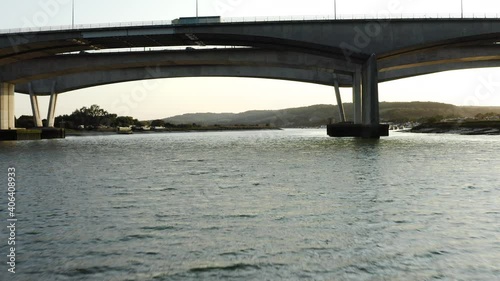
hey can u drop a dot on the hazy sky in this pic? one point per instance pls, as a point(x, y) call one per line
point(182, 95)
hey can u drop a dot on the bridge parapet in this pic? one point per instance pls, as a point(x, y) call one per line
point(262, 19)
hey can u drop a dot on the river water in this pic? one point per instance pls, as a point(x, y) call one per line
point(264, 205)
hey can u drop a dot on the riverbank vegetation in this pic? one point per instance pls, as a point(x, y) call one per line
point(94, 118)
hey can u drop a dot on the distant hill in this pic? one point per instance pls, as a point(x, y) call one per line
point(318, 115)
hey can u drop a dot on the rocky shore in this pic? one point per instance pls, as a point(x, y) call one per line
point(461, 128)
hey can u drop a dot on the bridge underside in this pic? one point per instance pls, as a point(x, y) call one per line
point(71, 72)
point(363, 78)
point(72, 82)
point(358, 53)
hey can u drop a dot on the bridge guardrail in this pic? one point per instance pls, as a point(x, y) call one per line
point(260, 19)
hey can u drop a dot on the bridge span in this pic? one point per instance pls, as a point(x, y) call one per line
point(341, 53)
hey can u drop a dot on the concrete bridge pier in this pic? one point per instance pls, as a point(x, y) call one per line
point(8, 130)
point(51, 132)
point(366, 106)
point(36, 111)
point(34, 107)
point(51, 115)
point(339, 98)
point(7, 119)
point(357, 96)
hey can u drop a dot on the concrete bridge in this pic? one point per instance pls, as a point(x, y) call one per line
point(341, 53)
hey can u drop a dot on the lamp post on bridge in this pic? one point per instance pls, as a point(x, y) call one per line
point(462, 8)
point(335, 8)
point(196, 8)
point(73, 15)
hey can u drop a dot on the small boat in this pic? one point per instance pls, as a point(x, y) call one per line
point(124, 130)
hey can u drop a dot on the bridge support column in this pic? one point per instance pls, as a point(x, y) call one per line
point(370, 126)
point(7, 119)
point(370, 92)
point(36, 111)
point(35, 108)
point(356, 97)
point(52, 110)
point(370, 101)
point(339, 98)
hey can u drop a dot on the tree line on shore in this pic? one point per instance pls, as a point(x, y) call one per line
point(92, 117)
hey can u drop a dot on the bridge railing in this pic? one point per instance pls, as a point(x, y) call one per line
point(363, 16)
point(262, 19)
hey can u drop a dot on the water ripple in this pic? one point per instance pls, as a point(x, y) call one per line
point(285, 205)
point(91, 270)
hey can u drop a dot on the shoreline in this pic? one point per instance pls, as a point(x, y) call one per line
point(459, 128)
point(84, 133)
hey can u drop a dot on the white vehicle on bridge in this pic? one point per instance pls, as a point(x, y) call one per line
point(197, 20)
